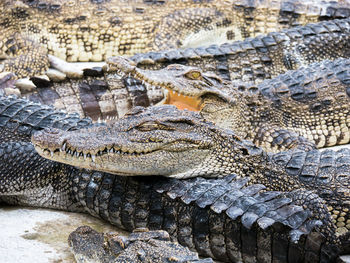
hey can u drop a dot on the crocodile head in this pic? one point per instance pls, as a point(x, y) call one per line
point(191, 88)
point(159, 140)
point(179, 79)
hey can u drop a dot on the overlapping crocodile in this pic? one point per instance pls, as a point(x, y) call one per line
point(98, 95)
point(180, 144)
point(230, 219)
point(101, 94)
point(95, 30)
point(309, 103)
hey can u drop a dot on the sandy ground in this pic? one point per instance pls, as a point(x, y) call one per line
point(40, 235)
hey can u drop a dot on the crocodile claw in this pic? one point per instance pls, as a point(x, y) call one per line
point(25, 85)
point(70, 69)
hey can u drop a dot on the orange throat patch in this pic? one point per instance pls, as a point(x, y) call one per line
point(183, 102)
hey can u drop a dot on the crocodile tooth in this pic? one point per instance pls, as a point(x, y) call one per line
point(76, 154)
point(93, 157)
point(111, 150)
point(84, 156)
point(51, 153)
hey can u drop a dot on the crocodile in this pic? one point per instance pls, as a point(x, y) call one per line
point(167, 142)
point(260, 58)
point(140, 246)
point(99, 95)
point(112, 94)
point(94, 30)
point(309, 103)
point(230, 219)
point(263, 57)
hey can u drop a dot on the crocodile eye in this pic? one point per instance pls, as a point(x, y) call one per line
point(151, 126)
point(194, 74)
point(147, 126)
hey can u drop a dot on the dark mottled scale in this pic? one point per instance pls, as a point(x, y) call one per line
point(179, 188)
point(104, 195)
point(332, 27)
point(227, 199)
point(47, 96)
point(273, 207)
point(249, 244)
point(30, 116)
point(129, 205)
point(156, 216)
point(210, 196)
point(142, 209)
point(326, 167)
point(312, 247)
point(295, 252)
point(217, 235)
point(215, 50)
point(261, 202)
point(190, 53)
point(201, 231)
point(116, 201)
point(309, 170)
point(279, 246)
point(264, 244)
point(170, 217)
point(162, 185)
point(239, 206)
point(80, 183)
point(91, 192)
point(233, 240)
point(13, 108)
point(296, 216)
point(89, 102)
point(185, 229)
point(137, 91)
point(296, 163)
point(196, 192)
point(342, 161)
point(173, 55)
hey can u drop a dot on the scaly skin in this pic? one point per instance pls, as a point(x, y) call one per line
point(263, 57)
point(98, 95)
point(95, 30)
point(225, 219)
point(168, 142)
point(141, 246)
point(310, 103)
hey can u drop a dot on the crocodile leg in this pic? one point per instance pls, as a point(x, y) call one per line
point(26, 57)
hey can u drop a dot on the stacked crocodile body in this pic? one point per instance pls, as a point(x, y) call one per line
point(229, 218)
point(95, 30)
point(309, 103)
point(287, 207)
